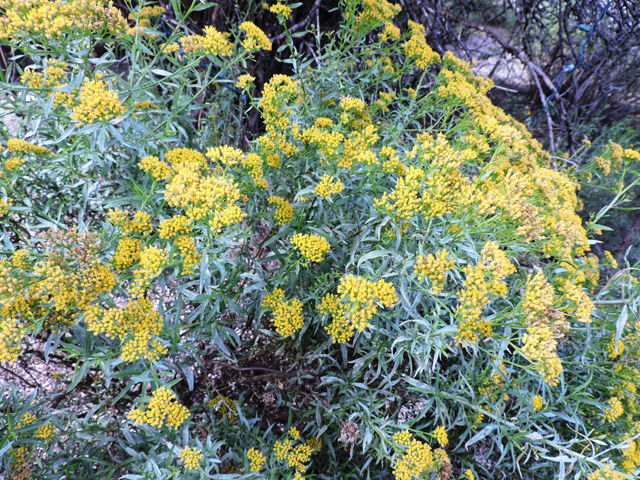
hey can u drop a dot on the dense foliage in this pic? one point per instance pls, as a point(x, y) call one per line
point(391, 281)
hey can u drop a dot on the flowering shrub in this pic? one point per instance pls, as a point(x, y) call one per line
point(389, 281)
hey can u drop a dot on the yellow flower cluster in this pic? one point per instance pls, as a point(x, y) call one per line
point(482, 280)
point(257, 459)
point(615, 156)
point(201, 196)
point(279, 92)
point(27, 419)
point(144, 105)
point(403, 437)
point(580, 305)
point(328, 186)
point(17, 145)
point(315, 444)
point(614, 351)
point(296, 457)
point(67, 277)
point(45, 432)
point(435, 268)
point(605, 473)
point(374, 12)
point(13, 163)
point(385, 99)
point(284, 210)
point(441, 436)
point(245, 81)
point(253, 163)
point(415, 461)
point(279, 96)
point(163, 408)
point(341, 330)
point(494, 383)
point(327, 142)
point(539, 346)
point(442, 463)
point(142, 18)
point(174, 226)
point(294, 433)
point(417, 49)
point(11, 334)
point(4, 206)
point(23, 465)
point(147, 12)
point(187, 247)
point(609, 260)
point(498, 268)
point(158, 169)
point(281, 449)
point(67, 285)
point(353, 115)
point(180, 157)
point(19, 259)
point(53, 76)
point(520, 188)
point(538, 297)
point(225, 155)
point(152, 261)
point(631, 454)
point(363, 296)
point(544, 327)
point(127, 253)
point(212, 43)
point(190, 457)
point(281, 10)
point(323, 122)
point(287, 314)
point(312, 247)
point(614, 411)
point(135, 325)
point(440, 189)
point(390, 32)
point(97, 103)
point(255, 39)
point(139, 223)
point(225, 407)
point(583, 270)
point(406, 200)
point(356, 306)
point(32, 18)
point(538, 403)
point(171, 48)
point(299, 456)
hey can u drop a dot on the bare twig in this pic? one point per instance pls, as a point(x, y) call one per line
point(248, 369)
point(18, 375)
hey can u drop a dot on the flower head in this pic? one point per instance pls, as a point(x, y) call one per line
point(190, 457)
point(328, 186)
point(312, 247)
point(97, 103)
point(257, 459)
point(287, 314)
point(163, 408)
point(441, 436)
point(255, 39)
point(281, 10)
point(245, 81)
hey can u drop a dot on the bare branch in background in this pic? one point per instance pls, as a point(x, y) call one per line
point(583, 58)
